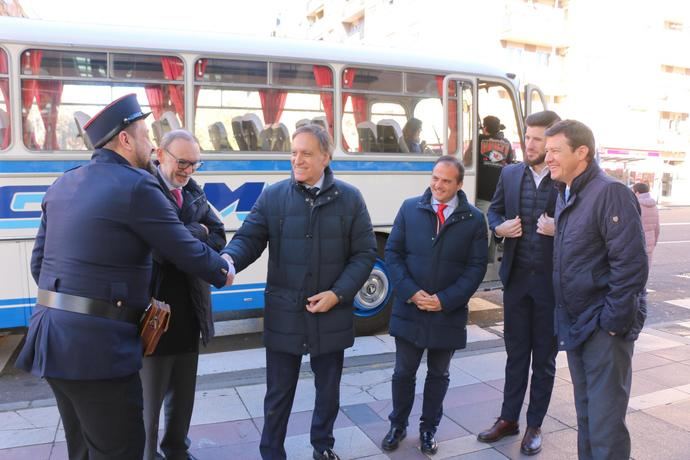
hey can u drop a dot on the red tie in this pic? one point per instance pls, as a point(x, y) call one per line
point(439, 213)
point(177, 194)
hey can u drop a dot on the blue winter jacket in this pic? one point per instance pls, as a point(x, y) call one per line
point(451, 264)
point(600, 262)
point(315, 244)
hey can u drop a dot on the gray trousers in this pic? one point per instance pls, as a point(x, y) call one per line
point(601, 372)
point(170, 379)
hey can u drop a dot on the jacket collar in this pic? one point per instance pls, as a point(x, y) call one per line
point(108, 156)
point(328, 179)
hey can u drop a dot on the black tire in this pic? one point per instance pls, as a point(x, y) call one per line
point(369, 325)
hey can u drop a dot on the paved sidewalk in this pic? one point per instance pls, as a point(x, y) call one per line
point(227, 421)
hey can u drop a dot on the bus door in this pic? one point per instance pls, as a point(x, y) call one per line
point(460, 122)
point(533, 94)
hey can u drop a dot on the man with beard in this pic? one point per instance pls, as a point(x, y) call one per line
point(92, 263)
point(521, 214)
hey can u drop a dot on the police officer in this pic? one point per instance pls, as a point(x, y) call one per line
point(92, 264)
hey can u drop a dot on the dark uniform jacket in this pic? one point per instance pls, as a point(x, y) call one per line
point(600, 263)
point(506, 205)
point(315, 244)
point(99, 224)
point(189, 296)
point(451, 265)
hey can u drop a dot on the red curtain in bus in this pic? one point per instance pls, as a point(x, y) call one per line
point(200, 71)
point(452, 115)
point(324, 78)
point(31, 61)
point(272, 104)
point(5, 89)
point(173, 68)
point(154, 93)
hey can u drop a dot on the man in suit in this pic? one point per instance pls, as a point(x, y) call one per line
point(437, 256)
point(92, 264)
point(521, 214)
point(321, 250)
point(169, 374)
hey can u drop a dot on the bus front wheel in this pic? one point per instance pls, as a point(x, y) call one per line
point(374, 300)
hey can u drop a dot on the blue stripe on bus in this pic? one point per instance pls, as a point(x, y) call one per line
point(13, 317)
point(19, 223)
point(60, 166)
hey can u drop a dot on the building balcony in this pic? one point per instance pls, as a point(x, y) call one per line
point(535, 24)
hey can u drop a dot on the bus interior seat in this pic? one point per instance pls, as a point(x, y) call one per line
point(170, 119)
point(238, 134)
point(302, 122)
point(251, 128)
point(322, 121)
point(366, 130)
point(157, 130)
point(388, 135)
point(266, 139)
point(281, 138)
point(80, 119)
point(219, 136)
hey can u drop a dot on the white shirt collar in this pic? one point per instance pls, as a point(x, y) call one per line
point(538, 177)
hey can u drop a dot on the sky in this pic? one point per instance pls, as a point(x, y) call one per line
point(256, 17)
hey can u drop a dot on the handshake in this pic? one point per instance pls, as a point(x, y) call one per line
point(231, 270)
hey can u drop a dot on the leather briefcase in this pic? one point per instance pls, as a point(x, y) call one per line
point(154, 324)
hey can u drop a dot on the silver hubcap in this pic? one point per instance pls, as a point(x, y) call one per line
point(373, 293)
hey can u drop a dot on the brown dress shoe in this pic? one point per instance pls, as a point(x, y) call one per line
point(501, 429)
point(531, 443)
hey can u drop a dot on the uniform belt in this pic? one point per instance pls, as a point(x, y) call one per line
point(86, 306)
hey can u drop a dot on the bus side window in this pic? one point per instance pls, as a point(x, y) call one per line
point(58, 85)
point(262, 102)
point(5, 126)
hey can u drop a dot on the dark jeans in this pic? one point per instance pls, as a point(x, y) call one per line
point(102, 418)
point(529, 336)
point(169, 380)
point(407, 359)
point(602, 372)
point(282, 374)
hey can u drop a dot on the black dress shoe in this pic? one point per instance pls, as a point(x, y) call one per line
point(501, 429)
point(428, 443)
point(327, 454)
point(531, 443)
point(393, 438)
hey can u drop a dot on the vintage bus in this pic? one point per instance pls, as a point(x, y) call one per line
point(242, 97)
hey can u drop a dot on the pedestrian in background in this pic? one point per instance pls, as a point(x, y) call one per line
point(650, 217)
point(599, 275)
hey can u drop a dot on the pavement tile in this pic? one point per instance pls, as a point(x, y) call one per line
point(59, 451)
point(648, 342)
point(408, 448)
point(486, 454)
point(41, 417)
point(35, 452)
point(26, 437)
point(563, 412)
point(563, 373)
point(216, 406)
point(641, 361)
point(671, 375)
point(658, 398)
point(300, 422)
point(655, 439)
point(679, 353)
point(474, 418)
point(253, 397)
point(361, 414)
point(223, 434)
point(677, 414)
point(487, 366)
point(243, 451)
point(462, 445)
point(471, 394)
point(642, 385)
point(350, 443)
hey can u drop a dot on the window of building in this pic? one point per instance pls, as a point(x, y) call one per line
point(392, 112)
point(63, 89)
point(257, 105)
point(5, 124)
point(673, 25)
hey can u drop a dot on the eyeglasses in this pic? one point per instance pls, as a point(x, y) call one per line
point(184, 164)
